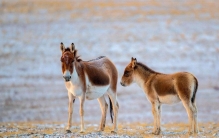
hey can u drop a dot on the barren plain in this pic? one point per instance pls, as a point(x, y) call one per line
point(168, 36)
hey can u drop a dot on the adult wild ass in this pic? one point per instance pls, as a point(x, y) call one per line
point(91, 80)
point(164, 89)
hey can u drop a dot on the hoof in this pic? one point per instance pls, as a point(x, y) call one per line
point(156, 133)
point(82, 131)
point(190, 133)
point(197, 132)
point(68, 131)
point(113, 132)
point(100, 130)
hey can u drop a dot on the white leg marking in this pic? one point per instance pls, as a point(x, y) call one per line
point(195, 118)
point(190, 113)
point(113, 98)
point(82, 99)
point(156, 115)
point(70, 110)
point(103, 106)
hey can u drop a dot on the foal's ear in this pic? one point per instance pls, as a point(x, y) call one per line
point(62, 47)
point(72, 47)
point(133, 61)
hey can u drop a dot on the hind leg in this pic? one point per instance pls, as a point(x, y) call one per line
point(113, 98)
point(190, 111)
point(103, 106)
point(195, 118)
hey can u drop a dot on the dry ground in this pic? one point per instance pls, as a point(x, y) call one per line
point(138, 130)
point(168, 36)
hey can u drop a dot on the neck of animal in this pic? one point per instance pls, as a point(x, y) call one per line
point(75, 78)
point(141, 76)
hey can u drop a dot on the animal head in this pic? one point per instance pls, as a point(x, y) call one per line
point(67, 59)
point(127, 77)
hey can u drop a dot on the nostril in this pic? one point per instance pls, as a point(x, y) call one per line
point(122, 84)
point(67, 78)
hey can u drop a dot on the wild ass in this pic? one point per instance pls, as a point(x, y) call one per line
point(164, 89)
point(91, 80)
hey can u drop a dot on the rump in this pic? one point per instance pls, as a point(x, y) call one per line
point(186, 85)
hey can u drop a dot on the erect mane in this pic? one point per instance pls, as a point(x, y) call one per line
point(76, 56)
point(67, 49)
point(145, 67)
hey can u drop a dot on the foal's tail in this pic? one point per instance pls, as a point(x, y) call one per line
point(195, 90)
point(111, 109)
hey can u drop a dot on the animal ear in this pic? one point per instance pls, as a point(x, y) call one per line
point(72, 47)
point(133, 61)
point(62, 47)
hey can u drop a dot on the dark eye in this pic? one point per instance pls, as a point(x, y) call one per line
point(127, 73)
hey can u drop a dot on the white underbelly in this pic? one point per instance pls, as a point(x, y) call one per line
point(94, 92)
point(169, 99)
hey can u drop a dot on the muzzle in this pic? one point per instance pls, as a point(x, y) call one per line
point(122, 84)
point(67, 78)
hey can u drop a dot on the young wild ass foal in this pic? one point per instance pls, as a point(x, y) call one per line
point(164, 89)
point(90, 79)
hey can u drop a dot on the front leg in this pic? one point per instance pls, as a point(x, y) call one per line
point(82, 99)
point(71, 99)
point(156, 115)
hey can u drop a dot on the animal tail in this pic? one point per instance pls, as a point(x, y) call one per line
point(73, 100)
point(195, 90)
point(111, 110)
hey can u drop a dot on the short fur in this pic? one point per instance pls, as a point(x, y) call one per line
point(164, 89)
point(90, 79)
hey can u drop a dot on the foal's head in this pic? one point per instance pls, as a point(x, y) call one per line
point(127, 77)
point(67, 59)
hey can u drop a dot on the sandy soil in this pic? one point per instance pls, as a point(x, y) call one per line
point(167, 36)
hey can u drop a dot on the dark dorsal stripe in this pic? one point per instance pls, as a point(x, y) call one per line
point(96, 58)
point(145, 67)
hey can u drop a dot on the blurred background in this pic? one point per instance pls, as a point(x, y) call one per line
point(168, 36)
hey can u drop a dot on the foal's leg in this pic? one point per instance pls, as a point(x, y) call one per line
point(159, 117)
point(190, 111)
point(103, 106)
point(82, 99)
point(115, 104)
point(70, 110)
point(195, 118)
point(156, 115)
